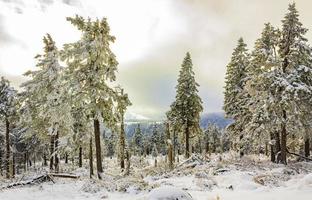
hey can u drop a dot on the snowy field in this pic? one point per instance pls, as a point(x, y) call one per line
point(217, 178)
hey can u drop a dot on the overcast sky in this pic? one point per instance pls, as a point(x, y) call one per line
point(152, 37)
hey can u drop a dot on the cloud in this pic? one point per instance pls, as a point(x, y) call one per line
point(152, 39)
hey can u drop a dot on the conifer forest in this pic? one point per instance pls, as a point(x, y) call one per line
point(155, 100)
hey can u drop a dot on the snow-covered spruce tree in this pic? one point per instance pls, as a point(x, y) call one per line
point(45, 98)
point(212, 139)
point(91, 65)
point(122, 104)
point(185, 110)
point(236, 99)
point(294, 85)
point(7, 112)
point(264, 58)
point(137, 141)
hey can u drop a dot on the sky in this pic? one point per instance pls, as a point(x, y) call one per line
point(152, 38)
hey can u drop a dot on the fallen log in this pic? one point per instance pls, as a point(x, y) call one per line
point(74, 176)
point(295, 154)
point(36, 180)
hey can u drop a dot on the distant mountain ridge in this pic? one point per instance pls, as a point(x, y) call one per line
point(214, 118)
point(206, 119)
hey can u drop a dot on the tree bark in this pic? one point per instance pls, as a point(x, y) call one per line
point(272, 148)
point(283, 139)
point(25, 162)
point(241, 151)
point(13, 166)
point(80, 156)
point(170, 155)
point(56, 158)
point(66, 158)
point(51, 152)
point(91, 158)
point(187, 142)
point(98, 147)
point(45, 163)
point(207, 147)
point(8, 150)
point(307, 147)
point(174, 145)
point(127, 171)
point(122, 145)
point(1, 170)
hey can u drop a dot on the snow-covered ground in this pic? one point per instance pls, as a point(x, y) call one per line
point(219, 178)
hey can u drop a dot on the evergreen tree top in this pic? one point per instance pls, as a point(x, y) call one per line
point(7, 98)
point(293, 41)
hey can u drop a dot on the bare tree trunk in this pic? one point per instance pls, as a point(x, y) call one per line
point(277, 147)
point(66, 158)
point(170, 156)
point(241, 150)
point(98, 147)
point(25, 162)
point(45, 163)
point(174, 145)
point(122, 145)
point(91, 158)
point(80, 156)
point(207, 147)
point(8, 150)
point(51, 152)
point(266, 149)
point(272, 148)
point(187, 142)
point(283, 139)
point(127, 171)
point(1, 155)
point(13, 166)
point(307, 147)
point(56, 163)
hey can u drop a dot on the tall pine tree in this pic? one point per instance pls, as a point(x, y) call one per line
point(91, 66)
point(236, 99)
point(185, 110)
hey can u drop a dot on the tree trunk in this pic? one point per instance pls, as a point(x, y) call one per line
point(13, 166)
point(25, 162)
point(80, 156)
point(122, 145)
point(127, 171)
point(56, 158)
point(51, 152)
point(174, 145)
point(66, 158)
point(8, 150)
point(241, 150)
point(98, 147)
point(170, 156)
point(283, 139)
point(272, 148)
point(266, 149)
point(307, 147)
point(45, 163)
point(91, 158)
point(187, 142)
point(1, 171)
point(207, 147)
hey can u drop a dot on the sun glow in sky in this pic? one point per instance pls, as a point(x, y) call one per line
point(152, 38)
